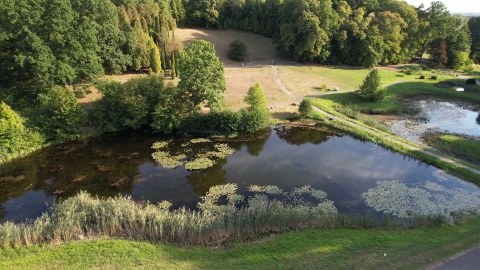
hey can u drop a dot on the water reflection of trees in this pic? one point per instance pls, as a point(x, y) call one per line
point(478, 119)
point(303, 135)
point(255, 146)
point(203, 180)
point(104, 168)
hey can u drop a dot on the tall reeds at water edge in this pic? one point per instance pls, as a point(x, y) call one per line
point(85, 216)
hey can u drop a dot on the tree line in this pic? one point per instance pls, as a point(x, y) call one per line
point(71, 42)
point(354, 32)
point(46, 45)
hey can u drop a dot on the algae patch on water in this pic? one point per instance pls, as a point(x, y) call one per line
point(195, 154)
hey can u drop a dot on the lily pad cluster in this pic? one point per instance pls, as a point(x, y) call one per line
point(262, 199)
point(398, 199)
point(190, 155)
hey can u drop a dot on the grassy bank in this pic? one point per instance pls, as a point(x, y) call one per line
point(384, 141)
point(391, 105)
point(463, 148)
point(309, 249)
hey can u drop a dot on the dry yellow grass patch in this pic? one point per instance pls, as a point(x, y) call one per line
point(261, 50)
point(239, 80)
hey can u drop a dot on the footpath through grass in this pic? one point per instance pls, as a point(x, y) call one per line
point(310, 249)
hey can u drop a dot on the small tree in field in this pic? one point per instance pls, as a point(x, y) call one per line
point(255, 97)
point(237, 50)
point(370, 89)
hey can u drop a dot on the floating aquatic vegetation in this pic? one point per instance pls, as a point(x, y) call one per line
point(271, 190)
point(200, 140)
point(260, 200)
point(168, 161)
point(199, 163)
point(396, 198)
point(192, 159)
point(160, 145)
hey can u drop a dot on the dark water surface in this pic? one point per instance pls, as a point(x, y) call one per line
point(288, 157)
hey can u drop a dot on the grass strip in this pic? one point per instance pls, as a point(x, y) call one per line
point(389, 144)
point(309, 249)
point(460, 147)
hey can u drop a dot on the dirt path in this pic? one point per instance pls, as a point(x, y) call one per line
point(276, 77)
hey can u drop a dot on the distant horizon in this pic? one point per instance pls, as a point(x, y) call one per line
point(454, 6)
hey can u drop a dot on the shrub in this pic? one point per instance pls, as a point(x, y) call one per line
point(217, 122)
point(370, 90)
point(305, 108)
point(15, 138)
point(324, 87)
point(411, 70)
point(120, 108)
point(471, 81)
point(59, 116)
point(170, 110)
point(136, 104)
point(237, 50)
point(422, 77)
point(254, 119)
point(434, 77)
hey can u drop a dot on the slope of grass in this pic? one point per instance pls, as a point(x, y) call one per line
point(310, 249)
point(457, 146)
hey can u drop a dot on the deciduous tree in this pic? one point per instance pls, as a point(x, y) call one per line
point(201, 74)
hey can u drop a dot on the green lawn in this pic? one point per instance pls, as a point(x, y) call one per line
point(460, 147)
point(392, 105)
point(307, 80)
point(310, 249)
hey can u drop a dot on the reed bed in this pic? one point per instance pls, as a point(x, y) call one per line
point(269, 210)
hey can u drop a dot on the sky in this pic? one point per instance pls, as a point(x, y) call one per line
point(454, 6)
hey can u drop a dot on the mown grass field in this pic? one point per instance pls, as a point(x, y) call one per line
point(391, 105)
point(310, 249)
point(306, 80)
point(239, 80)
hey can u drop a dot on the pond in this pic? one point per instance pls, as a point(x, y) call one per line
point(355, 174)
point(437, 116)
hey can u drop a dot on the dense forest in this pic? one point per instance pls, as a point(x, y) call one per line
point(46, 45)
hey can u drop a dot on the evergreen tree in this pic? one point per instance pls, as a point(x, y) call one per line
point(155, 64)
point(370, 90)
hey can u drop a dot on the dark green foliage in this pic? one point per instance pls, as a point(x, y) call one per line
point(257, 115)
point(217, 122)
point(306, 28)
point(59, 117)
point(170, 110)
point(370, 90)
point(471, 81)
point(474, 27)
point(237, 50)
point(130, 105)
point(438, 54)
point(305, 108)
point(254, 119)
